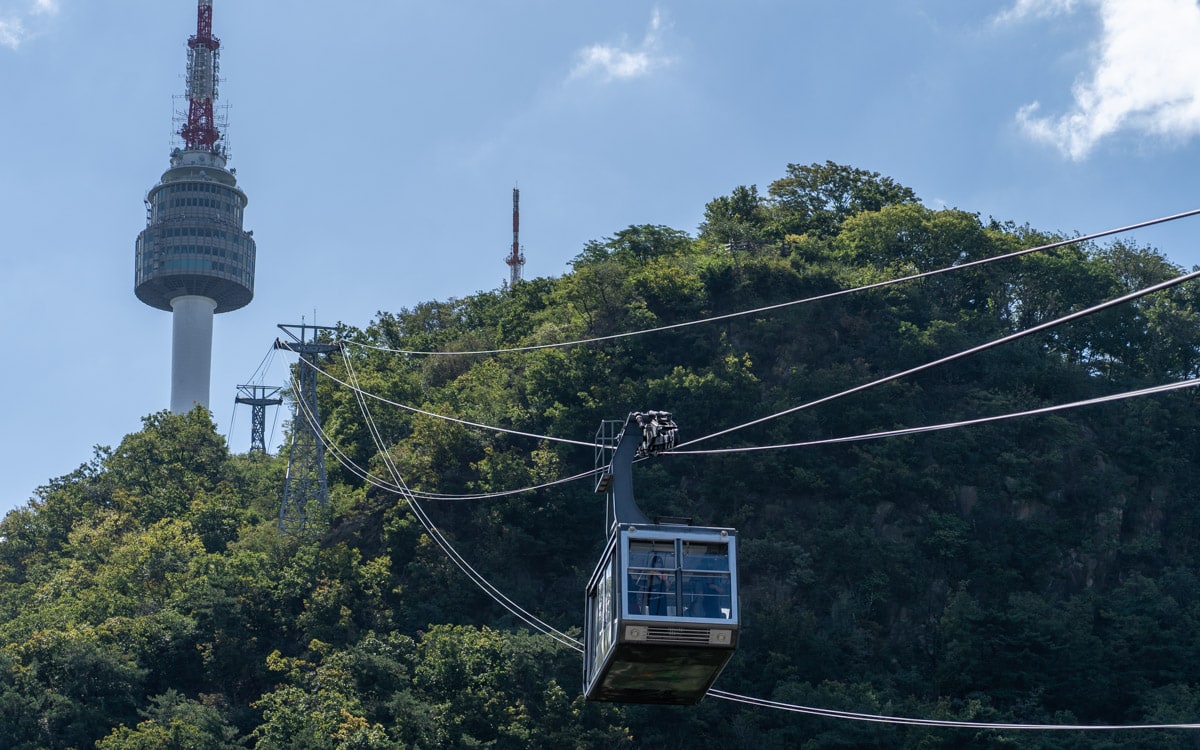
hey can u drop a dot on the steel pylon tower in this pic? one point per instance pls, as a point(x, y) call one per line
point(305, 489)
point(258, 397)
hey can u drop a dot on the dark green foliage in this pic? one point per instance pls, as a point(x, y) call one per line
point(817, 198)
point(1040, 570)
point(173, 722)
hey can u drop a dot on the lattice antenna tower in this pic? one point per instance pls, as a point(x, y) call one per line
point(305, 502)
point(516, 257)
point(258, 398)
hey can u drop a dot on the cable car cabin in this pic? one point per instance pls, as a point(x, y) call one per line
point(662, 614)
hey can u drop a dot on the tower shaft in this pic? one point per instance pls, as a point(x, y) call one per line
point(191, 351)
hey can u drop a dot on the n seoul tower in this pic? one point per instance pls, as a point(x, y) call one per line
point(193, 258)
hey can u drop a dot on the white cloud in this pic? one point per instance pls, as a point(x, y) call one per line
point(619, 62)
point(14, 21)
point(1146, 78)
point(12, 32)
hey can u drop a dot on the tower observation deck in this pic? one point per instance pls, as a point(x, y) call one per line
point(193, 258)
point(193, 243)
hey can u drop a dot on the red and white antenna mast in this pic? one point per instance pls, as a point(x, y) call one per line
point(200, 131)
point(516, 258)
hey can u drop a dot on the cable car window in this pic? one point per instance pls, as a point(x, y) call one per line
point(604, 614)
point(653, 578)
point(706, 584)
point(705, 556)
point(652, 553)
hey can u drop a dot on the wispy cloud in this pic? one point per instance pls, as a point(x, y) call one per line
point(621, 61)
point(16, 19)
point(1146, 77)
point(1022, 9)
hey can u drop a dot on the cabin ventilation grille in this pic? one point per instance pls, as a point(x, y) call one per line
point(676, 635)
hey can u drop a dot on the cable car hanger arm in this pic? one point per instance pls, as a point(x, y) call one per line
point(655, 434)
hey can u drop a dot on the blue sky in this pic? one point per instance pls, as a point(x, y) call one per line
point(379, 142)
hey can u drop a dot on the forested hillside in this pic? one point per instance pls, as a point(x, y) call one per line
point(1042, 569)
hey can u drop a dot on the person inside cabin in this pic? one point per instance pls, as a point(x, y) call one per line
point(710, 597)
point(708, 592)
point(662, 593)
point(652, 593)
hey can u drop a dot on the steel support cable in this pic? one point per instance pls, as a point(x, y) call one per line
point(899, 432)
point(435, 415)
point(438, 538)
point(348, 463)
point(365, 474)
point(940, 723)
point(959, 355)
point(792, 303)
point(343, 459)
point(477, 578)
point(263, 364)
point(372, 479)
point(950, 425)
point(436, 535)
point(444, 496)
point(482, 582)
point(376, 481)
point(274, 424)
point(355, 469)
point(232, 424)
